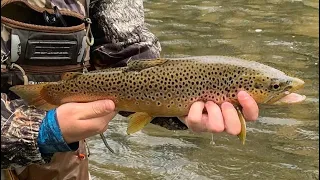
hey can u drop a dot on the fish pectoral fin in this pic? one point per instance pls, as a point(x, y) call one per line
point(182, 119)
point(137, 65)
point(32, 95)
point(70, 75)
point(243, 133)
point(138, 121)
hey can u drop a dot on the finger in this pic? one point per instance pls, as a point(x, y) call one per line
point(215, 120)
point(201, 125)
point(102, 119)
point(250, 108)
point(231, 118)
point(194, 118)
point(93, 109)
point(99, 124)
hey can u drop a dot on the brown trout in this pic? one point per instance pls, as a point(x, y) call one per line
point(167, 87)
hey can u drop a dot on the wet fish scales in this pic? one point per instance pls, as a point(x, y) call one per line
point(168, 87)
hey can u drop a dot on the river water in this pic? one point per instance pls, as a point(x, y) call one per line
point(282, 144)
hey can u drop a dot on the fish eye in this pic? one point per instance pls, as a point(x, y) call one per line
point(275, 84)
point(275, 87)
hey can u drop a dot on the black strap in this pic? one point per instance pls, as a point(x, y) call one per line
point(55, 19)
point(59, 16)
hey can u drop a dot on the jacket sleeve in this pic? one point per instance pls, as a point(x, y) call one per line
point(19, 133)
point(120, 33)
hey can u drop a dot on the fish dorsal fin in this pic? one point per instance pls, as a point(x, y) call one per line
point(138, 121)
point(137, 65)
point(70, 75)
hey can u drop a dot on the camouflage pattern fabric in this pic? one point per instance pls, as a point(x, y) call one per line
point(19, 132)
point(5, 40)
point(77, 6)
point(120, 33)
point(118, 28)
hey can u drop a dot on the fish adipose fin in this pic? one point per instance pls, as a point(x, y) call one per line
point(32, 95)
point(137, 65)
point(138, 121)
point(243, 133)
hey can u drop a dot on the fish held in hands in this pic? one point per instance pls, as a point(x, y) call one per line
point(168, 87)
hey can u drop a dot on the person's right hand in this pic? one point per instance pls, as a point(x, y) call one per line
point(78, 121)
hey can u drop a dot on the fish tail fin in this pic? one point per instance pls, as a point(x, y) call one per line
point(32, 95)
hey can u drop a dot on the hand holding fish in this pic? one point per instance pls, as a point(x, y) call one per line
point(221, 119)
point(78, 121)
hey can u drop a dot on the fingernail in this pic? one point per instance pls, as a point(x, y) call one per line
point(243, 95)
point(226, 106)
point(209, 103)
point(109, 105)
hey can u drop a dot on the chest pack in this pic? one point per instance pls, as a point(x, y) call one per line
point(45, 36)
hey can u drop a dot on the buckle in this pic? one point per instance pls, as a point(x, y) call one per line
point(87, 20)
point(4, 57)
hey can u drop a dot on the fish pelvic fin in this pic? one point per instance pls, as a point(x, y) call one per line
point(138, 121)
point(32, 95)
point(243, 132)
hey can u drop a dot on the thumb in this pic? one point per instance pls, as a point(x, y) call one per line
point(94, 109)
point(250, 108)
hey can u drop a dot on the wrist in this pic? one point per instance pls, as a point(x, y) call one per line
point(50, 139)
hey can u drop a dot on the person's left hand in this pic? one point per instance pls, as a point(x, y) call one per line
point(221, 119)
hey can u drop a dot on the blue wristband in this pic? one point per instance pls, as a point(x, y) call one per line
point(50, 139)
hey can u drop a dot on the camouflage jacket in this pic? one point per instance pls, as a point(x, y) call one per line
point(120, 33)
point(19, 132)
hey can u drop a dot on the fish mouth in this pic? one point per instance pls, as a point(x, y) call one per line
point(287, 96)
point(297, 84)
point(291, 98)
